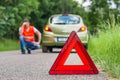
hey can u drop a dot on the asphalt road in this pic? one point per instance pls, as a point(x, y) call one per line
point(35, 66)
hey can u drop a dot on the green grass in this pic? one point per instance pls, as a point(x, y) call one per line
point(7, 44)
point(105, 49)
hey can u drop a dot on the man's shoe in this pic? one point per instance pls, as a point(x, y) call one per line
point(29, 51)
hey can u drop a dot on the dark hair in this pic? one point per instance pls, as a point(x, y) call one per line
point(26, 20)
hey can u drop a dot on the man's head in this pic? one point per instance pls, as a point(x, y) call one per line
point(26, 23)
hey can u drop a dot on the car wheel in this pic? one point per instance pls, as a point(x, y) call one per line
point(44, 49)
point(51, 49)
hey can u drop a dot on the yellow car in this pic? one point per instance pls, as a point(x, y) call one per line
point(58, 29)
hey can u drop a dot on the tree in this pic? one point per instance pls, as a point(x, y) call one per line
point(12, 14)
point(99, 12)
point(51, 7)
point(117, 12)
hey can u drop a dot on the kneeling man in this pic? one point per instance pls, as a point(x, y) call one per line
point(27, 37)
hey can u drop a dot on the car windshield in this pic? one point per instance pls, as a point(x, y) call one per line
point(65, 20)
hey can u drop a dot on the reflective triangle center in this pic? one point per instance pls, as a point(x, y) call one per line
point(73, 59)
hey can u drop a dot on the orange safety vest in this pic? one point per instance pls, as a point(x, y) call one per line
point(28, 35)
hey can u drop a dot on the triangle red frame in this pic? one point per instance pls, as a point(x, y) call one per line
point(73, 42)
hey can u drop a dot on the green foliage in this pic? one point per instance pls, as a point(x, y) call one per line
point(49, 7)
point(99, 12)
point(105, 50)
point(8, 44)
point(12, 14)
point(110, 23)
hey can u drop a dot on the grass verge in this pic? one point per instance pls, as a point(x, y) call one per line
point(8, 44)
point(105, 50)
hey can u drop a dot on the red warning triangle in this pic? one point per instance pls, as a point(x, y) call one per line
point(73, 42)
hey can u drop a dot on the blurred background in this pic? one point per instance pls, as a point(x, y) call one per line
point(13, 12)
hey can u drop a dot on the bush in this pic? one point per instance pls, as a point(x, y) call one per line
point(105, 49)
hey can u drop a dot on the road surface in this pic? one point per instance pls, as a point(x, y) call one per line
point(35, 66)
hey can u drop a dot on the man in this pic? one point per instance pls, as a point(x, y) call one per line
point(27, 37)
